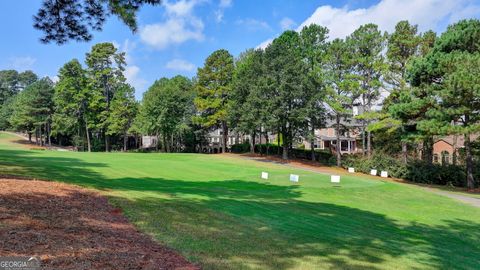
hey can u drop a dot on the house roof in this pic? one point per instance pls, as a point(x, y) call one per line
point(459, 140)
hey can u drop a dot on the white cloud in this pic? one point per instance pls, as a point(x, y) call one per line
point(132, 74)
point(428, 14)
point(181, 65)
point(221, 9)
point(264, 44)
point(287, 23)
point(225, 3)
point(22, 63)
point(253, 24)
point(180, 26)
point(54, 78)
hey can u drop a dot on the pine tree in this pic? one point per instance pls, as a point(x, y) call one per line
point(105, 76)
point(72, 104)
point(213, 92)
point(342, 85)
point(123, 111)
point(313, 51)
point(450, 72)
point(368, 43)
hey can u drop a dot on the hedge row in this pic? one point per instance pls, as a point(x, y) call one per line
point(322, 156)
point(415, 170)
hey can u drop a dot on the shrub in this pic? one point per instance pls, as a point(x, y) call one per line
point(379, 162)
point(416, 170)
point(240, 148)
point(322, 156)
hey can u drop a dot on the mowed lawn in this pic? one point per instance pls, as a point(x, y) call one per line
point(217, 212)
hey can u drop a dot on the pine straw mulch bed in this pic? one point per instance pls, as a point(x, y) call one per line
point(69, 227)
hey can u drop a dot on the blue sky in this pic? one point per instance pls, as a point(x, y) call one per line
point(176, 37)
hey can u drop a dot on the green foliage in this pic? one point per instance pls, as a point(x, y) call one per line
point(166, 109)
point(123, 111)
point(313, 47)
point(248, 107)
point(378, 161)
point(368, 43)
point(6, 111)
point(341, 82)
point(322, 156)
point(422, 172)
point(284, 69)
point(72, 103)
point(240, 148)
point(61, 21)
point(105, 67)
point(450, 72)
point(33, 108)
point(403, 44)
point(417, 171)
point(12, 82)
point(214, 92)
point(214, 88)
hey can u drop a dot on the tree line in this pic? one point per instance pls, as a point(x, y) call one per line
point(410, 86)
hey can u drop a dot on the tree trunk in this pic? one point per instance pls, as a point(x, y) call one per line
point(252, 143)
point(125, 139)
point(285, 148)
point(266, 143)
point(41, 135)
point(469, 162)
point(107, 143)
point(87, 133)
point(364, 149)
point(428, 150)
point(312, 143)
point(278, 142)
point(369, 144)
point(30, 136)
point(225, 136)
point(454, 154)
point(49, 136)
point(166, 147)
point(339, 155)
point(404, 152)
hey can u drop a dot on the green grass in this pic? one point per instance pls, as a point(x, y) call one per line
point(216, 211)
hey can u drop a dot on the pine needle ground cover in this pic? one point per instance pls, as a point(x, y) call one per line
point(218, 213)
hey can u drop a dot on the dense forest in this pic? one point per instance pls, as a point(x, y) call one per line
point(411, 87)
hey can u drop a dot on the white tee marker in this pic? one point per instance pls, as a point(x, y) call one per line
point(335, 178)
point(384, 174)
point(294, 178)
point(373, 172)
point(351, 170)
point(264, 175)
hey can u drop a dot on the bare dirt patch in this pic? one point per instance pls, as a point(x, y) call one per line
point(69, 227)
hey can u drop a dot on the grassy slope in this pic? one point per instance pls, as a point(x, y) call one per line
point(216, 211)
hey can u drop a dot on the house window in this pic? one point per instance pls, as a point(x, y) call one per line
point(445, 157)
point(435, 158)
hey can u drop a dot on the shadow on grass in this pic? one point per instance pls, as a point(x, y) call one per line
point(238, 224)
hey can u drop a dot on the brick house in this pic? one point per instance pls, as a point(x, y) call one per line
point(444, 147)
